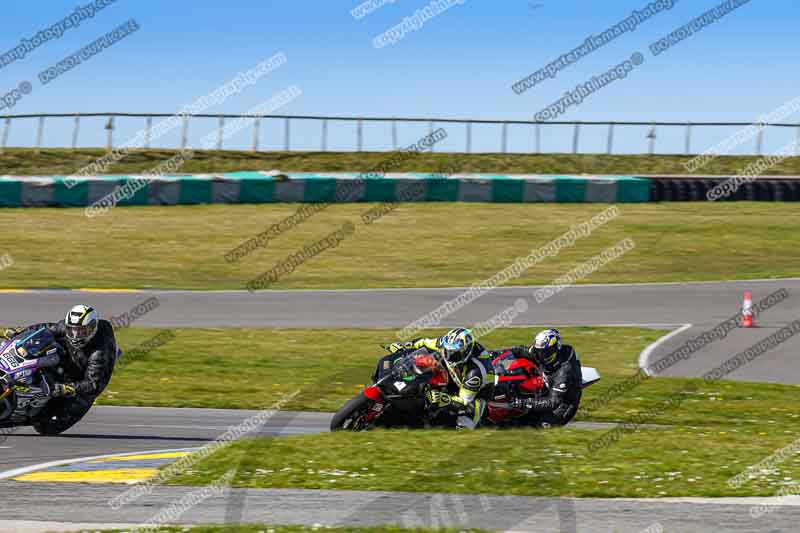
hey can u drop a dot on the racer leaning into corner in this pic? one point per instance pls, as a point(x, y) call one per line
point(561, 370)
point(470, 367)
point(91, 351)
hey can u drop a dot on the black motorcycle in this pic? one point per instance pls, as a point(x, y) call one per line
point(397, 396)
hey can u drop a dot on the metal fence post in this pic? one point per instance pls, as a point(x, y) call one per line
point(652, 136)
point(430, 134)
point(110, 135)
point(6, 131)
point(760, 139)
point(688, 147)
point(256, 130)
point(148, 132)
point(576, 134)
point(39, 135)
point(221, 132)
point(797, 142)
point(185, 132)
point(75, 130)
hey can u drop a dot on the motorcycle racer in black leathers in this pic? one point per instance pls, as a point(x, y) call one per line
point(470, 369)
point(561, 369)
point(90, 353)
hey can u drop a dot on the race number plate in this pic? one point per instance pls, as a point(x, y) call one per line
point(10, 360)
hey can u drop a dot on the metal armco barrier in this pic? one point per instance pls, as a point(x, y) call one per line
point(530, 131)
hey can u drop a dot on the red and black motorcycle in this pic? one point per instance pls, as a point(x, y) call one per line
point(515, 377)
point(401, 382)
point(397, 396)
point(520, 377)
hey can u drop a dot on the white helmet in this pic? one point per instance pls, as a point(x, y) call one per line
point(546, 346)
point(81, 322)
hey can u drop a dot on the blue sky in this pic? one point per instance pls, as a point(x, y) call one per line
point(461, 63)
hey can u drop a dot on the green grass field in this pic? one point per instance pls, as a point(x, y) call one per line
point(63, 161)
point(327, 366)
point(184, 246)
point(691, 461)
point(718, 430)
point(177, 374)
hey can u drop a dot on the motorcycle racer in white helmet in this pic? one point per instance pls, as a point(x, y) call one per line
point(91, 351)
point(561, 369)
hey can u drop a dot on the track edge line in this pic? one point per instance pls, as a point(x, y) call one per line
point(14, 472)
point(644, 356)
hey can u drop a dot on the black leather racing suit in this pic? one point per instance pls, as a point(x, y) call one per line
point(88, 368)
point(476, 377)
point(564, 383)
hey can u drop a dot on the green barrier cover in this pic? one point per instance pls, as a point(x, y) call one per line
point(266, 187)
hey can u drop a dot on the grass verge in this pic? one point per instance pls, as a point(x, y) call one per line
point(696, 461)
point(716, 432)
point(328, 366)
point(63, 161)
point(184, 246)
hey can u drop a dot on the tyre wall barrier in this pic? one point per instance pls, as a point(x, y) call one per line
point(682, 189)
point(274, 186)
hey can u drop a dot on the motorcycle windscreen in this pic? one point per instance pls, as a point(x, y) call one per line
point(35, 344)
point(406, 365)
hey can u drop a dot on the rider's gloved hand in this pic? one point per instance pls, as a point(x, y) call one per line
point(521, 403)
point(10, 332)
point(63, 390)
point(438, 398)
point(398, 346)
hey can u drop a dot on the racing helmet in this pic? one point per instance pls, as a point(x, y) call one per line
point(456, 345)
point(81, 324)
point(545, 347)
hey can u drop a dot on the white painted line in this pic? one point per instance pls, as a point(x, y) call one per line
point(645, 355)
point(789, 501)
point(31, 526)
point(64, 462)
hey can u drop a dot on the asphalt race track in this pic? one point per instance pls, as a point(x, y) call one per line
point(112, 430)
point(78, 502)
point(686, 309)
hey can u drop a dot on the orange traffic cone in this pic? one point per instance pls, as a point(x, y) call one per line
point(747, 310)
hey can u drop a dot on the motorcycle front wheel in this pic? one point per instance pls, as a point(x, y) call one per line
point(353, 415)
